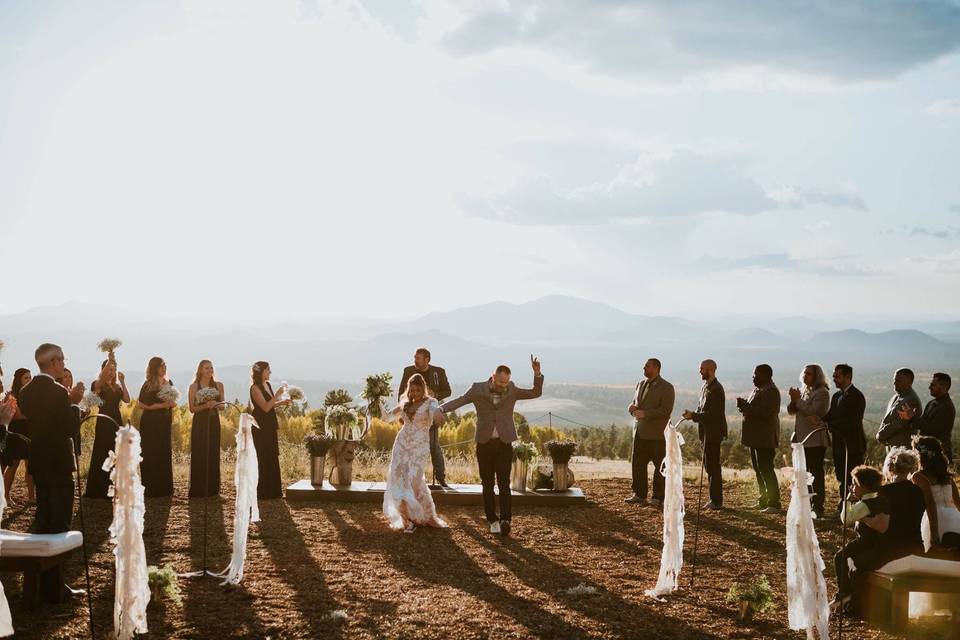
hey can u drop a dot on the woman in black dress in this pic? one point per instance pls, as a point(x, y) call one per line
point(17, 448)
point(265, 438)
point(205, 434)
point(112, 388)
point(156, 469)
point(67, 383)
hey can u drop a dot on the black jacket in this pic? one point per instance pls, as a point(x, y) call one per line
point(846, 417)
point(53, 421)
point(436, 379)
point(711, 413)
point(937, 420)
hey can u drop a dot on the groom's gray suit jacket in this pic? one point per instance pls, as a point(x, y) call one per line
point(490, 414)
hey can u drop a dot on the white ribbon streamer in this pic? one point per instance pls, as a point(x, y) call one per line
point(246, 510)
point(671, 560)
point(6, 620)
point(806, 588)
point(132, 590)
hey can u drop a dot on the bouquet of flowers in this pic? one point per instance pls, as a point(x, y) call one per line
point(524, 451)
point(295, 394)
point(109, 345)
point(208, 394)
point(561, 450)
point(317, 444)
point(168, 393)
point(341, 421)
point(377, 388)
point(90, 401)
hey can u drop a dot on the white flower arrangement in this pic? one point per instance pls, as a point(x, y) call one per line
point(208, 394)
point(168, 393)
point(90, 401)
point(295, 393)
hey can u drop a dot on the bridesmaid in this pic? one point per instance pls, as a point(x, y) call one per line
point(67, 383)
point(156, 468)
point(111, 386)
point(205, 435)
point(17, 448)
point(265, 438)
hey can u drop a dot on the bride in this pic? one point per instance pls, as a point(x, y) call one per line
point(407, 502)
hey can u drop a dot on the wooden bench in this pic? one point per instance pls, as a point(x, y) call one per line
point(32, 555)
point(886, 596)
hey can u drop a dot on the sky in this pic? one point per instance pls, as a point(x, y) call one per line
point(385, 158)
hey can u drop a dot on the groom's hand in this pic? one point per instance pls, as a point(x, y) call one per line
point(535, 363)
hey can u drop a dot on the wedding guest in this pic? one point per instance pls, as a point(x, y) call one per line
point(46, 405)
point(896, 431)
point(156, 425)
point(651, 408)
point(111, 386)
point(494, 401)
point(205, 434)
point(711, 419)
point(845, 418)
point(66, 381)
point(940, 526)
point(867, 515)
point(18, 449)
point(265, 438)
point(809, 406)
point(938, 416)
point(436, 379)
point(761, 433)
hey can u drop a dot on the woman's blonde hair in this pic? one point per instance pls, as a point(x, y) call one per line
point(900, 462)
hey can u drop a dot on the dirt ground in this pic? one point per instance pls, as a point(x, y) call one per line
point(336, 571)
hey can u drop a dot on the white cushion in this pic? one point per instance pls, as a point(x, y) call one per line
point(919, 564)
point(14, 544)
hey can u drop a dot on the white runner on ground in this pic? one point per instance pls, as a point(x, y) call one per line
point(806, 588)
point(671, 560)
point(246, 510)
point(131, 590)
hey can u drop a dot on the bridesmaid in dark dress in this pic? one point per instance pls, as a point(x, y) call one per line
point(205, 435)
point(112, 388)
point(265, 438)
point(17, 448)
point(67, 383)
point(156, 469)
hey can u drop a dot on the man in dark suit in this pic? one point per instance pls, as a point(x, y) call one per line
point(494, 401)
point(938, 416)
point(846, 418)
point(761, 432)
point(52, 420)
point(436, 379)
point(711, 419)
point(651, 408)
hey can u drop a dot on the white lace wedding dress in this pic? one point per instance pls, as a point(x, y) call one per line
point(407, 501)
point(948, 517)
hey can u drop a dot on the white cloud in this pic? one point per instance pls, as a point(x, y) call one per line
point(945, 108)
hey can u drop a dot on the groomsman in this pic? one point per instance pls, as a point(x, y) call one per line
point(938, 416)
point(896, 431)
point(846, 418)
point(761, 432)
point(651, 408)
point(711, 419)
point(52, 420)
point(436, 379)
point(494, 400)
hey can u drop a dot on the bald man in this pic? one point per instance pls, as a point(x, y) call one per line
point(711, 419)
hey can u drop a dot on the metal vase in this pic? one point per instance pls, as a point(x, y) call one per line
point(518, 476)
point(342, 474)
point(560, 478)
point(317, 464)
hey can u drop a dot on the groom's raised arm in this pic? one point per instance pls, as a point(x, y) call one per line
point(456, 403)
point(529, 394)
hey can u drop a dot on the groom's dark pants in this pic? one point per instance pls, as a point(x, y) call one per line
point(494, 458)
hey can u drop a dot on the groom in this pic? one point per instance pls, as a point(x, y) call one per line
point(494, 401)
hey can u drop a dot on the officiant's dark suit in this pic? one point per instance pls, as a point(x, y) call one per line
point(53, 421)
point(496, 432)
